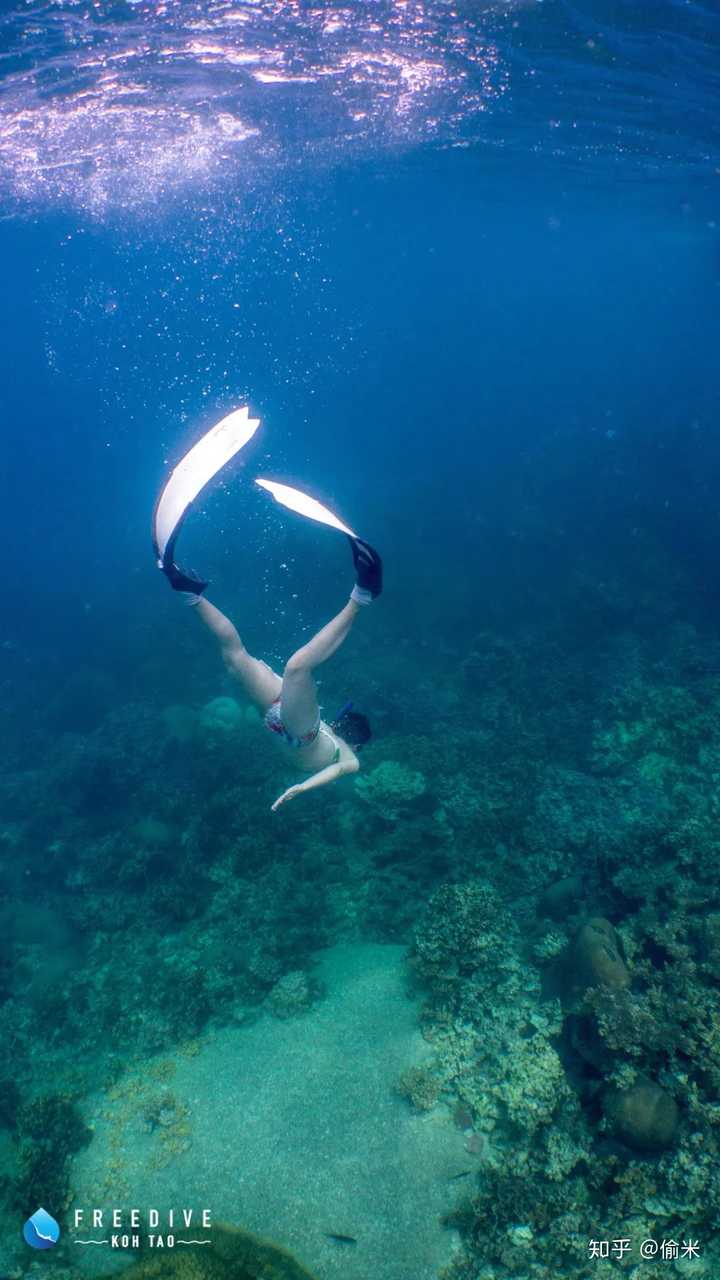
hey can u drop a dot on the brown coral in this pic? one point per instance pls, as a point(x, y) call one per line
point(596, 957)
point(644, 1116)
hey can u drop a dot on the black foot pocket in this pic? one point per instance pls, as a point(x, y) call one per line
point(368, 566)
point(183, 581)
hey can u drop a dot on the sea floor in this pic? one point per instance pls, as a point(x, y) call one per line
point(291, 1128)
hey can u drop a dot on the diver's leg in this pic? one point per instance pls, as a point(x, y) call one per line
point(326, 642)
point(299, 705)
point(260, 683)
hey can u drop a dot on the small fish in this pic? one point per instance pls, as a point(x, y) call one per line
point(340, 1239)
point(464, 1173)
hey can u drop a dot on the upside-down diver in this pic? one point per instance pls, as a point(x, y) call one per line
point(289, 703)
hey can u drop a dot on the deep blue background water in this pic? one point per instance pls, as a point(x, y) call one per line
point(487, 332)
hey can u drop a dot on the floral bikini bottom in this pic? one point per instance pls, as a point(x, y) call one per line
point(273, 722)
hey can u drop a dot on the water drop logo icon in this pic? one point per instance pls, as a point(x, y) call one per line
point(41, 1231)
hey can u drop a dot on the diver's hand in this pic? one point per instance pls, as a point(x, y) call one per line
point(287, 795)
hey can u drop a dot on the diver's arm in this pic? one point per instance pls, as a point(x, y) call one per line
point(319, 779)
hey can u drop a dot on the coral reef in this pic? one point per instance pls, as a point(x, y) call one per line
point(465, 929)
point(643, 1115)
point(595, 958)
point(292, 994)
point(548, 854)
point(49, 1131)
point(421, 1086)
point(390, 788)
point(221, 715)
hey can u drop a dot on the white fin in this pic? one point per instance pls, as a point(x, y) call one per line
point(197, 468)
point(304, 505)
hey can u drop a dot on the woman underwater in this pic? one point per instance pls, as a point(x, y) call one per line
point(289, 703)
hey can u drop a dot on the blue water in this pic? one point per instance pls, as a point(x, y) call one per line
point(463, 261)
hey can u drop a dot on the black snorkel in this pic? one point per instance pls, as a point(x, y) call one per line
point(342, 712)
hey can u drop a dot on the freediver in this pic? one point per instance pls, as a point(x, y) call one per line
point(289, 703)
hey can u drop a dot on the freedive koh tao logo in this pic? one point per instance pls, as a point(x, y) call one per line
point(41, 1231)
point(133, 1228)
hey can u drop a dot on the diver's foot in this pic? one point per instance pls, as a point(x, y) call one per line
point(186, 582)
point(369, 571)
